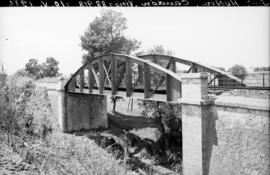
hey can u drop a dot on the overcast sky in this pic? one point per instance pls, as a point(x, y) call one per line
point(216, 36)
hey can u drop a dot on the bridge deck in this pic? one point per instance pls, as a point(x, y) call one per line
point(137, 95)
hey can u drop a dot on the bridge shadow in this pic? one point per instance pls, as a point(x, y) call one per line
point(209, 138)
point(122, 121)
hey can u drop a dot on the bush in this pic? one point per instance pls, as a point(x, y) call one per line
point(13, 98)
point(25, 109)
point(169, 118)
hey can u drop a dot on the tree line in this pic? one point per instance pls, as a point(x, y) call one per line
point(37, 70)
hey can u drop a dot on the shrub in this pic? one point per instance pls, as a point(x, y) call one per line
point(25, 109)
point(13, 98)
point(38, 120)
point(169, 118)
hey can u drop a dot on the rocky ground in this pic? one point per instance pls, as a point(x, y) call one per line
point(135, 141)
point(12, 162)
point(141, 155)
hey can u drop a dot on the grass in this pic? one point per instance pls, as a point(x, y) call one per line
point(82, 156)
point(62, 154)
point(55, 153)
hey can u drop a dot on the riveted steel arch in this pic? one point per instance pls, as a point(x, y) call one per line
point(117, 73)
point(196, 67)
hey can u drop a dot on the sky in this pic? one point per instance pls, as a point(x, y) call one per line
point(215, 36)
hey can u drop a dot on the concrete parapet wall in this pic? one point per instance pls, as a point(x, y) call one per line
point(229, 135)
point(238, 137)
point(84, 111)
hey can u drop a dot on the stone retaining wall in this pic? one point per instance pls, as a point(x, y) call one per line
point(227, 135)
point(238, 137)
point(84, 111)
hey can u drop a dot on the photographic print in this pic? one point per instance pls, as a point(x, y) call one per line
point(134, 90)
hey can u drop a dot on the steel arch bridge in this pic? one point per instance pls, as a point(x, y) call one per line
point(224, 78)
point(139, 77)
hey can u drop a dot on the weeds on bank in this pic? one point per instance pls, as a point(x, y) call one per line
point(27, 128)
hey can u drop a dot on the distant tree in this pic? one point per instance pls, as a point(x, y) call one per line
point(33, 67)
point(238, 71)
point(157, 49)
point(106, 34)
point(258, 69)
point(50, 67)
point(22, 73)
point(47, 69)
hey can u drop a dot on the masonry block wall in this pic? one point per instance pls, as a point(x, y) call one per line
point(239, 137)
point(76, 111)
point(229, 135)
point(195, 107)
point(84, 111)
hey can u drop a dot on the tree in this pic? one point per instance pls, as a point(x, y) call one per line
point(238, 71)
point(47, 69)
point(168, 116)
point(33, 67)
point(21, 73)
point(114, 100)
point(50, 67)
point(258, 69)
point(106, 34)
point(157, 49)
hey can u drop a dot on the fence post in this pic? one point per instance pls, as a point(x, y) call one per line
point(196, 113)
